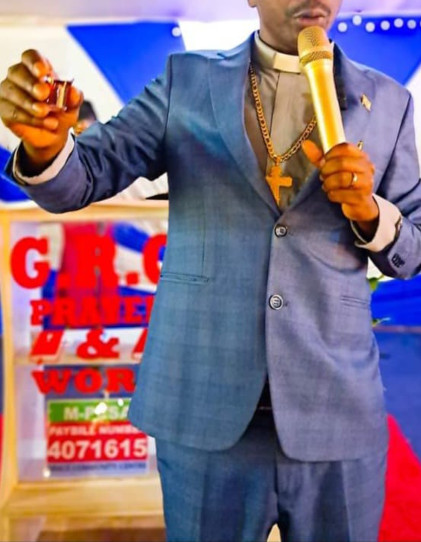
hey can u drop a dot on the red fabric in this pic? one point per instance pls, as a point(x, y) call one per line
point(402, 513)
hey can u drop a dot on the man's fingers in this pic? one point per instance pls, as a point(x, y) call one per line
point(339, 181)
point(75, 98)
point(348, 149)
point(313, 153)
point(37, 64)
point(13, 115)
point(346, 164)
point(20, 99)
point(25, 91)
point(349, 181)
point(23, 78)
point(343, 196)
point(347, 176)
point(347, 168)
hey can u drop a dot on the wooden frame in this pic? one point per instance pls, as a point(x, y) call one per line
point(21, 503)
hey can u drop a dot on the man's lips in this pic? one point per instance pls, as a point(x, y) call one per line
point(310, 14)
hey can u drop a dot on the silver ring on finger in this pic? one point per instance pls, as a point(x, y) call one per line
point(354, 180)
point(14, 114)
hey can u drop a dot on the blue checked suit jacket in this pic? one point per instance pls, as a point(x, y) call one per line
point(213, 337)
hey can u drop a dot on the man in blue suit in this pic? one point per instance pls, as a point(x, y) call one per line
point(260, 379)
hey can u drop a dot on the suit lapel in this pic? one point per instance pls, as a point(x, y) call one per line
point(227, 84)
point(358, 83)
point(352, 84)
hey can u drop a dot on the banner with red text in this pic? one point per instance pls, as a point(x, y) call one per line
point(82, 294)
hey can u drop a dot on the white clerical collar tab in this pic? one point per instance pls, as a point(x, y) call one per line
point(270, 58)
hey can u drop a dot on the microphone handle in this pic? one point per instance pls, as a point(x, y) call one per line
point(325, 102)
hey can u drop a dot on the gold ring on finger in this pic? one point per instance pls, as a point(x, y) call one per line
point(354, 180)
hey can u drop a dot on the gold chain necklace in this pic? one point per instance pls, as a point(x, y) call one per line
point(276, 179)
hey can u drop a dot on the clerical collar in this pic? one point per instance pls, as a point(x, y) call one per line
point(268, 57)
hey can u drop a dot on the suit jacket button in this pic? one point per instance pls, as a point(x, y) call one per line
point(281, 230)
point(276, 302)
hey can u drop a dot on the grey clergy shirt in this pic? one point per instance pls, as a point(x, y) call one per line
point(288, 108)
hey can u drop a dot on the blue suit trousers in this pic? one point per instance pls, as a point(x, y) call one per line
point(238, 494)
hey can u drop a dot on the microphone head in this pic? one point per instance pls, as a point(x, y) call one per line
point(313, 44)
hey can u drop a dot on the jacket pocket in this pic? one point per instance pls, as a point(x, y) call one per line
point(184, 278)
point(352, 301)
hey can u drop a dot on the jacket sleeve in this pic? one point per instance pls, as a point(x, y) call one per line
point(109, 157)
point(401, 185)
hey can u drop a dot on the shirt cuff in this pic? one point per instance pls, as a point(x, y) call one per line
point(51, 171)
point(389, 217)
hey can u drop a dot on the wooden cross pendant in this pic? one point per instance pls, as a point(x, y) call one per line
point(276, 181)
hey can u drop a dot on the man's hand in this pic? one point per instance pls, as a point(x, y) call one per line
point(347, 176)
point(42, 128)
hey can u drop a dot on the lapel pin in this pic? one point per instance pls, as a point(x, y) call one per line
point(366, 102)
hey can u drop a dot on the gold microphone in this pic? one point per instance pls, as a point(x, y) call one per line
point(316, 59)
